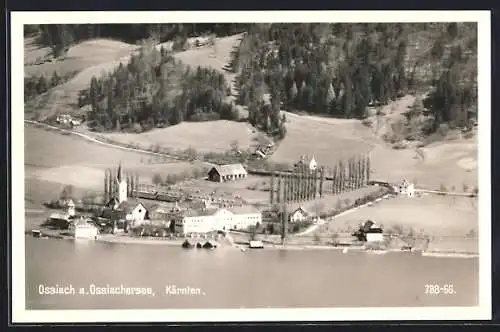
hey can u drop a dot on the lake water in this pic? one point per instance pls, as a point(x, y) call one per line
point(228, 278)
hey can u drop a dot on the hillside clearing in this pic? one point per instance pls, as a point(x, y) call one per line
point(450, 163)
point(209, 136)
point(79, 57)
point(327, 140)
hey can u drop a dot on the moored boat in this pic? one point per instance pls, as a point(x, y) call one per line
point(210, 245)
point(187, 245)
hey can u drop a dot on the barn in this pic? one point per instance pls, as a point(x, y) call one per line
point(229, 172)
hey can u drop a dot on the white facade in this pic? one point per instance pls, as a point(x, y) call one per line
point(374, 237)
point(313, 164)
point(196, 224)
point(122, 191)
point(222, 220)
point(298, 215)
point(137, 214)
point(83, 230)
point(71, 211)
point(225, 220)
point(407, 188)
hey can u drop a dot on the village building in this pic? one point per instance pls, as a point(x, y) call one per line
point(309, 162)
point(222, 173)
point(299, 215)
point(122, 209)
point(237, 218)
point(406, 188)
point(83, 229)
point(207, 220)
point(369, 232)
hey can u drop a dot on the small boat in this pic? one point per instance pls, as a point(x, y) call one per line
point(36, 233)
point(187, 245)
point(243, 249)
point(256, 245)
point(209, 245)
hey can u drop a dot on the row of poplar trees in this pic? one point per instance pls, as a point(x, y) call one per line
point(303, 184)
point(111, 184)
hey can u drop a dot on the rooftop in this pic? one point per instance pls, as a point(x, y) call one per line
point(243, 209)
point(230, 169)
point(199, 212)
point(129, 205)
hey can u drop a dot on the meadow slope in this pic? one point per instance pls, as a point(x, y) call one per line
point(449, 163)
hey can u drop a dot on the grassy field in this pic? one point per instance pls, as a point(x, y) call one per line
point(210, 136)
point(89, 58)
point(65, 159)
point(432, 215)
point(449, 163)
point(79, 57)
point(328, 140)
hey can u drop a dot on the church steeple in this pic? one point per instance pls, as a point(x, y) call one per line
point(119, 173)
point(122, 185)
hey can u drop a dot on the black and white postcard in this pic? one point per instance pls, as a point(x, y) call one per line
point(250, 166)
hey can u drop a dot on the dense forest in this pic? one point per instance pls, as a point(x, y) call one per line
point(334, 69)
point(155, 90)
point(341, 69)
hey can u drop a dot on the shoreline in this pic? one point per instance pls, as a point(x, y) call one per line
point(289, 247)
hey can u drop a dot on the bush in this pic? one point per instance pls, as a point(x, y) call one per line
point(157, 179)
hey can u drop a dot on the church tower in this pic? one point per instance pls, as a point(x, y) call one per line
point(122, 185)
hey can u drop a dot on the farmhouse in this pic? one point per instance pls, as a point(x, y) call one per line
point(369, 232)
point(299, 215)
point(309, 162)
point(406, 188)
point(224, 173)
point(133, 210)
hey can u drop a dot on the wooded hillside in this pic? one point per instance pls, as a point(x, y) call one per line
point(340, 69)
point(334, 69)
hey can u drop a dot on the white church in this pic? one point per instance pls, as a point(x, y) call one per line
point(124, 208)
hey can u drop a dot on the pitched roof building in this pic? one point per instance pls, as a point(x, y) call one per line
point(309, 162)
point(221, 173)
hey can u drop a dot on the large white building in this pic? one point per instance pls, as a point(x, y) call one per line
point(225, 219)
point(82, 229)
